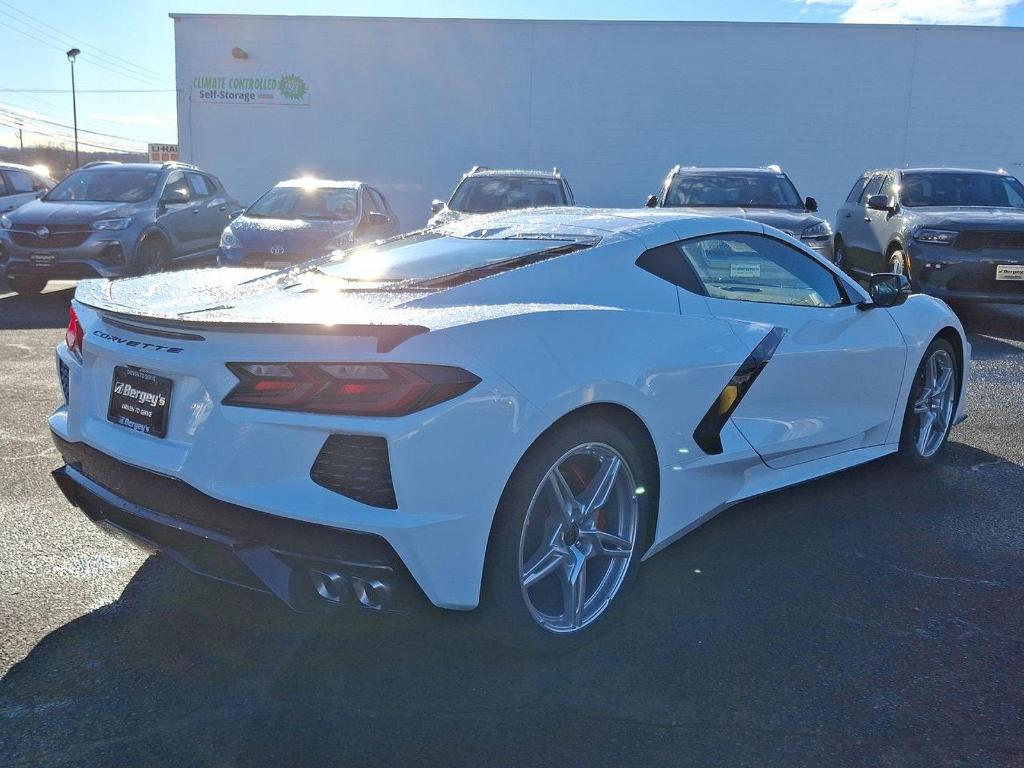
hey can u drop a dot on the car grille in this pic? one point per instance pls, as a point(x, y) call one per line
point(356, 466)
point(60, 236)
point(978, 239)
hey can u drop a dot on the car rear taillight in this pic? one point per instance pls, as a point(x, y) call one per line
point(355, 389)
point(74, 335)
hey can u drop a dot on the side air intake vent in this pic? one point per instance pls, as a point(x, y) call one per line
point(356, 466)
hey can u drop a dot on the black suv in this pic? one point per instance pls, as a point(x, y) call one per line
point(765, 195)
point(957, 234)
point(109, 219)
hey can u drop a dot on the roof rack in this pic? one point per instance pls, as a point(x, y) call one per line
point(94, 163)
point(178, 164)
point(556, 172)
point(774, 168)
point(478, 168)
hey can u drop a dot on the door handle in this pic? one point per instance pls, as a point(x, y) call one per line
point(222, 208)
point(867, 218)
point(195, 211)
point(849, 215)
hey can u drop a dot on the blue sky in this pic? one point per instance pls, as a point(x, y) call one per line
point(129, 46)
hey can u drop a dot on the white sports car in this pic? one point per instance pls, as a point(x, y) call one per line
point(509, 412)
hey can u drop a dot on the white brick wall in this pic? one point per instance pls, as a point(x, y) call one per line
point(409, 105)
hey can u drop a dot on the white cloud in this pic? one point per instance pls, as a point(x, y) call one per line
point(984, 12)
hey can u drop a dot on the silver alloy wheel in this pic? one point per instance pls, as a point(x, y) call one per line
point(933, 404)
point(896, 264)
point(578, 537)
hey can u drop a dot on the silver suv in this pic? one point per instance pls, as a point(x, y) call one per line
point(486, 190)
point(109, 219)
point(20, 184)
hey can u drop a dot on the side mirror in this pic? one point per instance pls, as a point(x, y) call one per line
point(235, 214)
point(881, 203)
point(376, 219)
point(887, 289)
point(436, 207)
point(652, 201)
point(176, 196)
point(810, 204)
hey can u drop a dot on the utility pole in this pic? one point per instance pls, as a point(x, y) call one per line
point(21, 139)
point(74, 106)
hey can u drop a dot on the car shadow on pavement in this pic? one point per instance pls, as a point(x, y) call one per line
point(869, 618)
point(43, 310)
point(993, 329)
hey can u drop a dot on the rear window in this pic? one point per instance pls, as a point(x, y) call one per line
point(429, 256)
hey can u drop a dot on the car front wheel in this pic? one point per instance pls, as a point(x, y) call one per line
point(569, 533)
point(26, 285)
point(931, 405)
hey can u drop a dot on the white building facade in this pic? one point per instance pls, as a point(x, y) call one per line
point(409, 105)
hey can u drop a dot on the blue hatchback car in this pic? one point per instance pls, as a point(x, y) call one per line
point(304, 218)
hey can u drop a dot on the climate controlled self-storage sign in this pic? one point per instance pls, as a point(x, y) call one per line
point(286, 90)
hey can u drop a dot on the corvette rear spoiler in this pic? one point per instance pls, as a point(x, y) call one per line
point(387, 336)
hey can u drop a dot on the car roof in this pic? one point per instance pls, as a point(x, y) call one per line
point(19, 167)
point(307, 181)
point(725, 169)
point(952, 170)
point(550, 222)
point(514, 172)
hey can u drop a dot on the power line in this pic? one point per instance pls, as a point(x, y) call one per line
point(89, 90)
point(14, 113)
point(67, 139)
point(145, 71)
point(56, 46)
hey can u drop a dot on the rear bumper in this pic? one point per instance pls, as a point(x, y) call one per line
point(307, 566)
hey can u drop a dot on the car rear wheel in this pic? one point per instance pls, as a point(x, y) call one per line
point(931, 405)
point(26, 284)
point(568, 536)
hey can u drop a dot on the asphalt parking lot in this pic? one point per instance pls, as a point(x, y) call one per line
point(873, 618)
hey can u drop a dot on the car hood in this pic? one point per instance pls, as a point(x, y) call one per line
point(967, 218)
point(790, 221)
point(42, 212)
point(312, 237)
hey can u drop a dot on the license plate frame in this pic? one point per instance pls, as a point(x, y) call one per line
point(42, 260)
point(1010, 272)
point(142, 402)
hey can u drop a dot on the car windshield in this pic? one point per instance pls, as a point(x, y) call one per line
point(330, 203)
point(427, 256)
point(732, 190)
point(950, 188)
point(486, 194)
point(106, 185)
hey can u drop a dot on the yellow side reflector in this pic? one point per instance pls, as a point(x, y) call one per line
point(727, 398)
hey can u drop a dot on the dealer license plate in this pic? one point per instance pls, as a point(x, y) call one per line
point(1009, 271)
point(139, 400)
point(42, 259)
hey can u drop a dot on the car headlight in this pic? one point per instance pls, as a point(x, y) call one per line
point(108, 224)
point(814, 231)
point(936, 236)
point(5, 222)
point(228, 239)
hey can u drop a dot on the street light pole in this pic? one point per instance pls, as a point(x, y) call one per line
point(74, 106)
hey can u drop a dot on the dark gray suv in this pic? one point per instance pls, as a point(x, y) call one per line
point(765, 195)
point(957, 234)
point(110, 219)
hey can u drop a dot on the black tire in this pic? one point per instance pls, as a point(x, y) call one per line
point(838, 257)
point(910, 450)
point(503, 613)
point(151, 255)
point(26, 285)
point(898, 263)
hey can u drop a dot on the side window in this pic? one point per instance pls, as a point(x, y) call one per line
point(40, 183)
point(199, 184)
point(369, 204)
point(889, 186)
point(378, 200)
point(19, 182)
point(4, 186)
point(858, 187)
point(175, 180)
point(871, 188)
point(751, 267)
